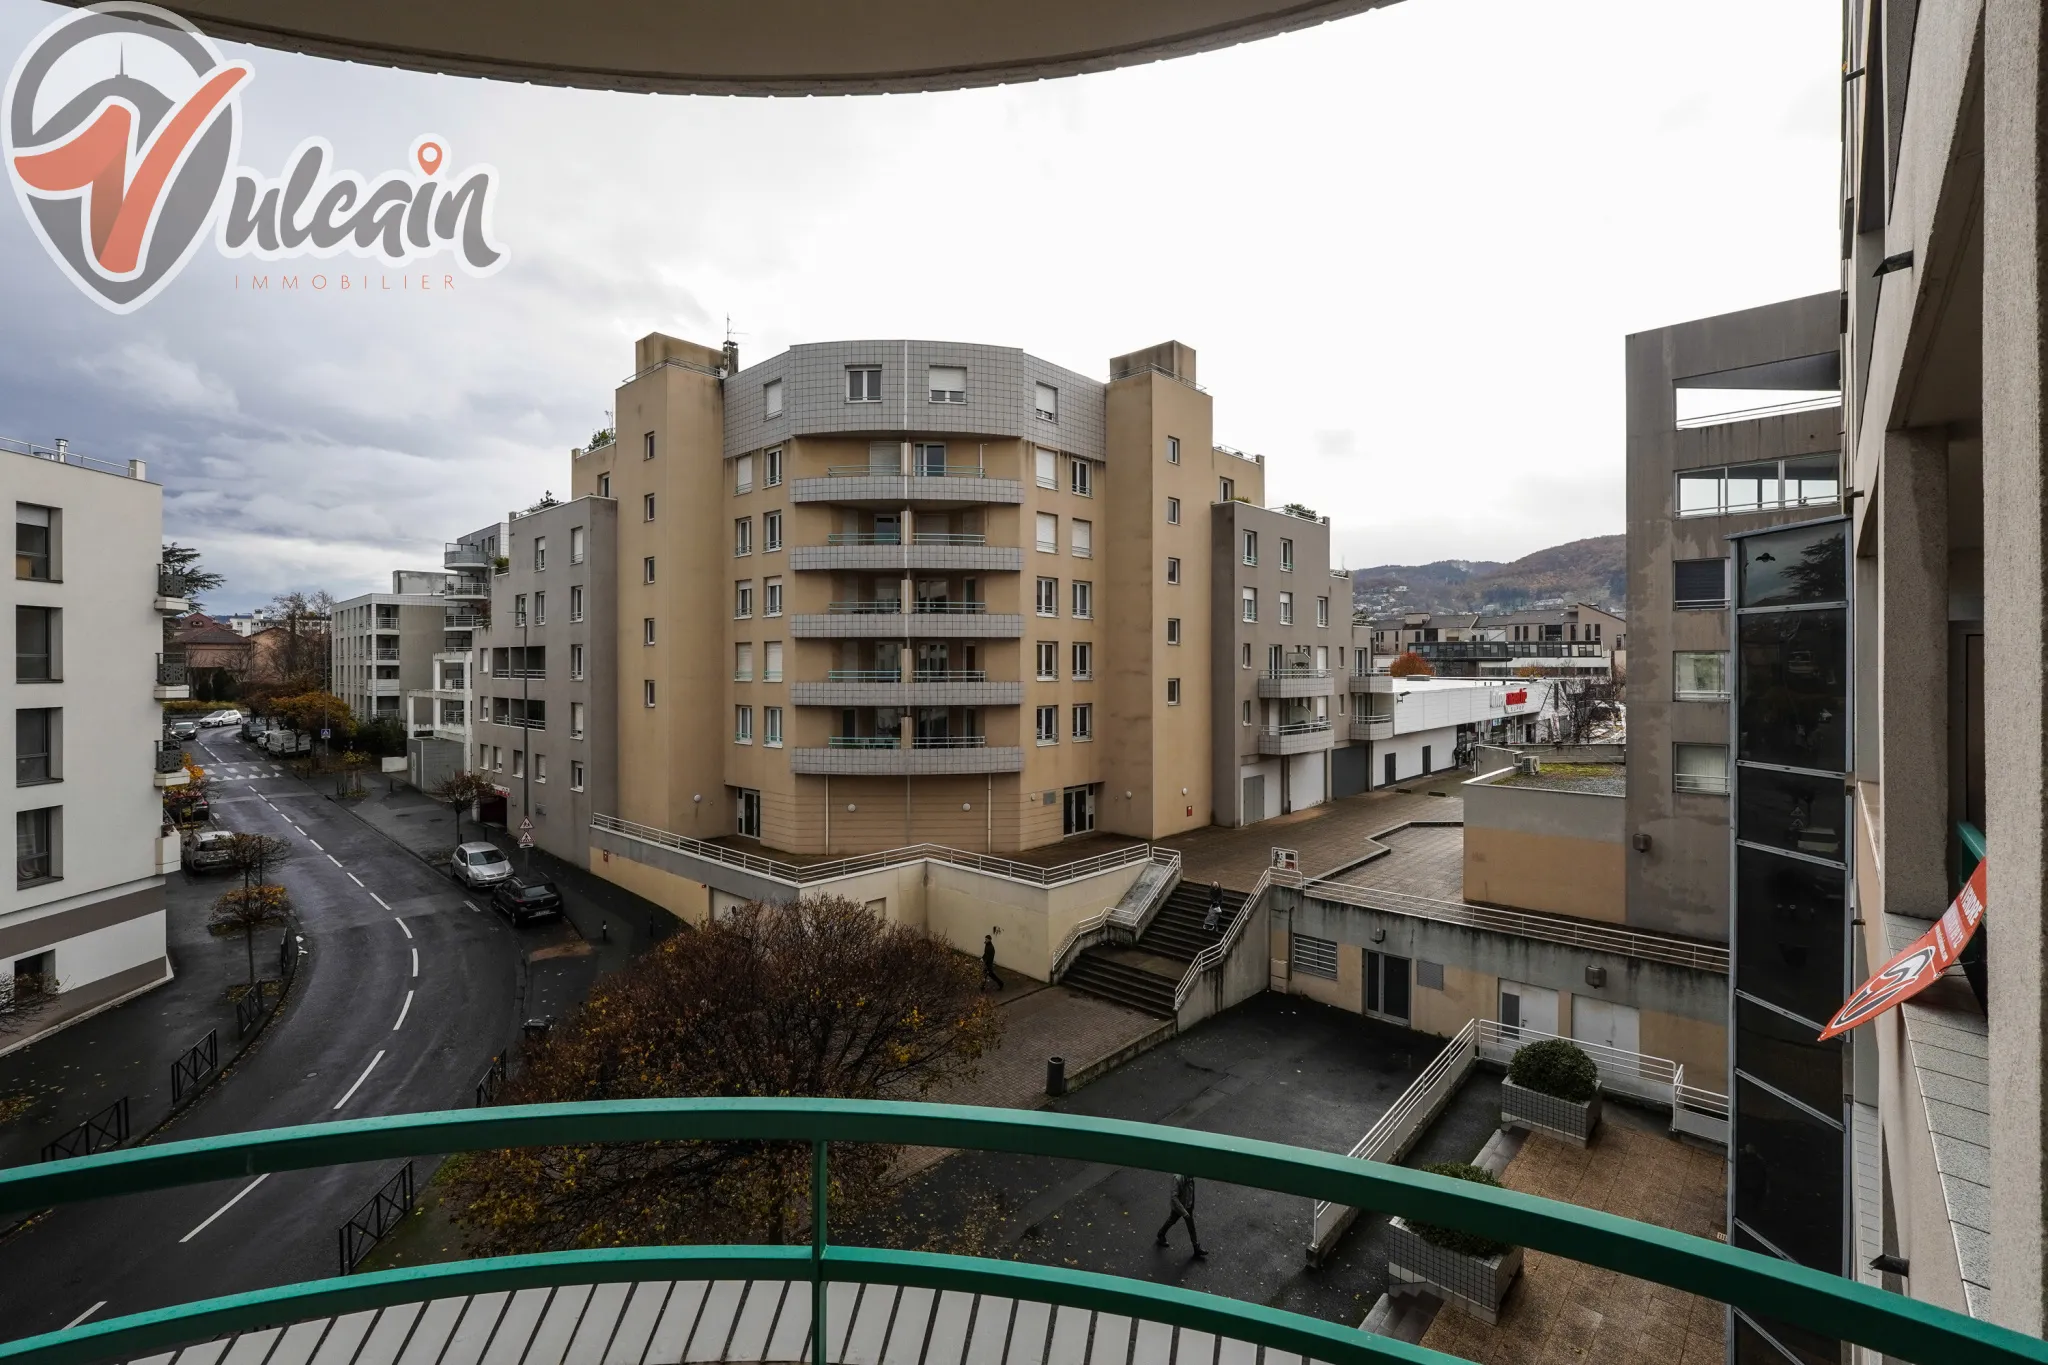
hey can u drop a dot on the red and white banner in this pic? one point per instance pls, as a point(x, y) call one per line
point(1927, 957)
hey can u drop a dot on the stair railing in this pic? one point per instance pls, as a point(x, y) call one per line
point(1215, 954)
point(1117, 921)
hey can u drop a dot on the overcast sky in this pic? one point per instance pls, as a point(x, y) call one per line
point(1406, 246)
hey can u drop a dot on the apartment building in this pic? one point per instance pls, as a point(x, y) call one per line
point(439, 715)
point(543, 679)
point(384, 644)
point(81, 708)
point(1579, 640)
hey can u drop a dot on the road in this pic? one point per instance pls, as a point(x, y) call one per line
point(406, 990)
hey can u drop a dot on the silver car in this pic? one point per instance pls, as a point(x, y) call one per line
point(479, 865)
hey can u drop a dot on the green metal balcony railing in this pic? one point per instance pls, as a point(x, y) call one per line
point(1901, 1327)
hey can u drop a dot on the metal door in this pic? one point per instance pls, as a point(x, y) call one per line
point(1254, 800)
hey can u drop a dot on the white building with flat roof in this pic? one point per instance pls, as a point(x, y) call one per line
point(1417, 724)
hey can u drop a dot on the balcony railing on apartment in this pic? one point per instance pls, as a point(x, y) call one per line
point(1700, 784)
point(949, 742)
point(935, 607)
point(1449, 651)
point(1831, 1306)
point(534, 673)
point(521, 722)
point(170, 758)
point(172, 670)
point(864, 538)
point(948, 538)
point(1281, 674)
point(1300, 727)
point(863, 742)
point(869, 471)
point(876, 606)
point(385, 655)
point(864, 675)
point(456, 555)
point(170, 584)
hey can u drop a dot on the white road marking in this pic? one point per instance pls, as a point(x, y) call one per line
point(400, 922)
point(380, 900)
point(86, 1314)
point(415, 962)
point(332, 859)
point(402, 1011)
point(230, 1204)
point(300, 830)
point(316, 846)
point(473, 908)
point(343, 1100)
point(354, 878)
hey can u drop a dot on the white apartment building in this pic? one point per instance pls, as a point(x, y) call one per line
point(384, 645)
point(1416, 724)
point(86, 906)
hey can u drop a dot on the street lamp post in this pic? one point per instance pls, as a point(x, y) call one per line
point(525, 738)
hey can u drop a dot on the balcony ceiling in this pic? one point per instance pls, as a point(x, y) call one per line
point(767, 47)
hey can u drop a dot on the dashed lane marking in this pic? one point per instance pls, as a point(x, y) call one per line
point(402, 1010)
point(337, 1104)
point(399, 922)
point(239, 1197)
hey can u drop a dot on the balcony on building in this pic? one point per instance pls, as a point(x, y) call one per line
point(170, 765)
point(385, 687)
point(518, 712)
point(520, 663)
point(924, 756)
point(924, 687)
point(886, 485)
point(882, 551)
point(1296, 737)
point(1295, 683)
point(463, 588)
point(884, 618)
point(171, 598)
point(1364, 726)
point(460, 555)
point(173, 679)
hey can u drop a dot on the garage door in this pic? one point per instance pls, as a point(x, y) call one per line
point(1348, 770)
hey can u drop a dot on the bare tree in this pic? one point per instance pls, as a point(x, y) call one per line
point(460, 791)
point(255, 856)
point(301, 659)
point(247, 909)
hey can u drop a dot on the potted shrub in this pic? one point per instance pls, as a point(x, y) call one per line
point(1467, 1269)
point(1554, 1087)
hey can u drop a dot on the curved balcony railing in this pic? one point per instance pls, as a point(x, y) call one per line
point(864, 675)
point(949, 538)
point(879, 606)
point(1834, 1306)
point(864, 538)
point(949, 742)
point(862, 742)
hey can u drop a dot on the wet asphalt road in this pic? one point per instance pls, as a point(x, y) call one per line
point(404, 994)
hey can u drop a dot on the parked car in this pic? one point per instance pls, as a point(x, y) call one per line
point(208, 850)
point(184, 729)
point(220, 719)
point(186, 806)
point(479, 865)
point(520, 900)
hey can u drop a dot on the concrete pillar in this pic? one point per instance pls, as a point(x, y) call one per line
point(2016, 648)
point(1912, 583)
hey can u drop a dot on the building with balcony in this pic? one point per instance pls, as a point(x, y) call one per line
point(1578, 640)
point(84, 913)
point(383, 644)
point(1416, 725)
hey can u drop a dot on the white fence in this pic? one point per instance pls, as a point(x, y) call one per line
point(1118, 920)
point(1638, 1076)
point(1213, 956)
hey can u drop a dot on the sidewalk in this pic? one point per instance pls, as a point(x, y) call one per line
point(60, 1080)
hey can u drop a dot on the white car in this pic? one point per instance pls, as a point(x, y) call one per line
point(216, 719)
point(479, 865)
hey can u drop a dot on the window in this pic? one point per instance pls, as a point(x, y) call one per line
point(1173, 691)
point(1048, 597)
point(575, 776)
point(1286, 608)
point(864, 383)
point(771, 398)
point(771, 726)
point(771, 664)
point(947, 384)
point(647, 569)
point(575, 544)
point(540, 608)
point(35, 746)
point(1246, 660)
point(575, 604)
point(1048, 534)
point(771, 597)
point(35, 846)
point(1274, 654)
point(1084, 661)
point(36, 645)
point(1081, 539)
point(749, 813)
point(1081, 478)
point(647, 507)
point(647, 631)
point(34, 542)
point(1700, 768)
point(1048, 660)
point(1286, 555)
point(743, 598)
point(540, 554)
point(1048, 725)
point(540, 767)
point(1251, 547)
point(519, 763)
point(1084, 600)
point(1048, 467)
point(1084, 722)
point(1700, 583)
point(604, 485)
point(772, 465)
point(519, 609)
point(1172, 569)
point(1699, 675)
point(1173, 511)
point(1173, 450)
point(743, 725)
point(647, 446)
point(1805, 481)
point(1173, 630)
point(1251, 604)
point(1247, 713)
point(1226, 490)
point(743, 663)
point(1323, 613)
point(1312, 956)
point(743, 474)
point(1046, 400)
point(771, 532)
point(743, 536)
point(576, 663)
point(1323, 664)
point(576, 725)
point(928, 460)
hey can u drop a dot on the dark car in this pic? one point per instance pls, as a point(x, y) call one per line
point(519, 900)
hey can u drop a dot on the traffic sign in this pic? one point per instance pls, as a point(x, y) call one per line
point(526, 824)
point(326, 734)
point(526, 832)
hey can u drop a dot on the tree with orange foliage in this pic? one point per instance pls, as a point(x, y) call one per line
point(1410, 665)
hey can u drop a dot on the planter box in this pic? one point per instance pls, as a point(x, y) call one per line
point(1474, 1285)
point(1548, 1114)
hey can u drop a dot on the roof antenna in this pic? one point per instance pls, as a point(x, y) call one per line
point(732, 347)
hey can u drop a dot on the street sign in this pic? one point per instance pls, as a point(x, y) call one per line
point(525, 833)
point(326, 734)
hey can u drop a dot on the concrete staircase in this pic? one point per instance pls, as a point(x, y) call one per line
point(1144, 974)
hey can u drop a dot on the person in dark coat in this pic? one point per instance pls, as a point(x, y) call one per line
point(1215, 915)
point(1181, 1206)
point(988, 961)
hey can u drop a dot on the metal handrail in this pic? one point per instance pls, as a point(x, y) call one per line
point(929, 607)
point(948, 538)
point(170, 758)
point(863, 538)
point(1114, 917)
point(62, 453)
point(867, 471)
point(862, 742)
point(1149, 368)
point(1649, 947)
point(795, 875)
point(949, 742)
point(1215, 953)
point(171, 670)
point(874, 606)
point(1831, 1305)
point(1284, 672)
point(1300, 727)
point(864, 675)
point(941, 675)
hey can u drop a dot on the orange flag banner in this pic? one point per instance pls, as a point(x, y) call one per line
point(1927, 957)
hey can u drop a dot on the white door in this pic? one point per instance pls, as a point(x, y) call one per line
point(1530, 1007)
point(1606, 1023)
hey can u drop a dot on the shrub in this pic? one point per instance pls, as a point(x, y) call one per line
point(1451, 1239)
point(1557, 1067)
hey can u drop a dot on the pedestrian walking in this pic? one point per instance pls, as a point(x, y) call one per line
point(988, 961)
point(1181, 1206)
point(1215, 915)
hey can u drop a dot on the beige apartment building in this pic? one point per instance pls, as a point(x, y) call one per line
point(873, 593)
